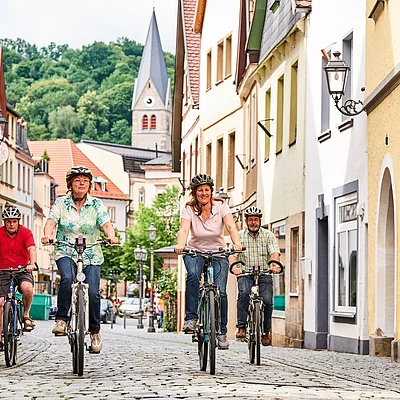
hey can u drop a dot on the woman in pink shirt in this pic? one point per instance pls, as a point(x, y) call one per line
point(205, 218)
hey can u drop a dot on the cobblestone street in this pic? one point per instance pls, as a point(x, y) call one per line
point(135, 364)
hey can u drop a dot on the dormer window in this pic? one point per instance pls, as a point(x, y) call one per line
point(94, 184)
point(100, 180)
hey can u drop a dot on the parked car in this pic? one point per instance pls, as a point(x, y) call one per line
point(107, 311)
point(130, 307)
point(53, 307)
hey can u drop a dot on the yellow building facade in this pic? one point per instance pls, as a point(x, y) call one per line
point(382, 106)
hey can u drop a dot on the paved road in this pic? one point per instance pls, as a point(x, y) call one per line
point(135, 364)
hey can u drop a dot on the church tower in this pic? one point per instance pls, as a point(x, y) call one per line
point(151, 102)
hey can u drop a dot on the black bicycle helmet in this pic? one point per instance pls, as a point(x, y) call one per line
point(252, 212)
point(201, 179)
point(78, 170)
point(11, 212)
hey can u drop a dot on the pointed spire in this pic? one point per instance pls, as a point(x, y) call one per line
point(3, 102)
point(152, 65)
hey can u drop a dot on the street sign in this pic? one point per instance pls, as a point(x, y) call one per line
point(3, 153)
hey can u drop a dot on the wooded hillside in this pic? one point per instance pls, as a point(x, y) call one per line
point(77, 94)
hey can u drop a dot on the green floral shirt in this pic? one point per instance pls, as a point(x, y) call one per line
point(71, 224)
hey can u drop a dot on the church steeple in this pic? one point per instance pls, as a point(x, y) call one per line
point(151, 101)
point(152, 65)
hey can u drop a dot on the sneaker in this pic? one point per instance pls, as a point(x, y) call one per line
point(266, 339)
point(241, 334)
point(60, 328)
point(95, 342)
point(1, 346)
point(223, 343)
point(190, 326)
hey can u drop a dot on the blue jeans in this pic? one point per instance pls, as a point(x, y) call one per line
point(67, 270)
point(194, 268)
point(266, 291)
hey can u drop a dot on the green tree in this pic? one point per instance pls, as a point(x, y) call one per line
point(64, 123)
point(121, 133)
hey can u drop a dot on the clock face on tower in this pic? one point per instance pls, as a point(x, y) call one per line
point(149, 101)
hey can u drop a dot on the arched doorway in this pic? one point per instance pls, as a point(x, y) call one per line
point(385, 264)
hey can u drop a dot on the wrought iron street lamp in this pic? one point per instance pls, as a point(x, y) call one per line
point(3, 124)
point(152, 237)
point(140, 256)
point(223, 195)
point(337, 72)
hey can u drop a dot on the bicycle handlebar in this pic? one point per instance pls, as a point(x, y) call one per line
point(251, 272)
point(75, 245)
point(20, 268)
point(208, 254)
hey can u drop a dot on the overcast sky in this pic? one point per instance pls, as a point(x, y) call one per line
point(81, 22)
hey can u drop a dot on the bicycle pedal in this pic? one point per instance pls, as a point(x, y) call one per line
point(60, 334)
point(194, 338)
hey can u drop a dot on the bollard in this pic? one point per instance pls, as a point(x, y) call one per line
point(124, 319)
point(112, 319)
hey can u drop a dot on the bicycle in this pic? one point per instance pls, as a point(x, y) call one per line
point(209, 307)
point(13, 325)
point(78, 324)
point(255, 323)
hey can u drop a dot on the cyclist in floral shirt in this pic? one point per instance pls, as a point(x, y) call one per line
point(78, 213)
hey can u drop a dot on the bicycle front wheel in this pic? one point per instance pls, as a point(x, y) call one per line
point(9, 334)
point(80, 330)
point(257, 332)
point(202, 341)
point(212, 330)
point(250, 335)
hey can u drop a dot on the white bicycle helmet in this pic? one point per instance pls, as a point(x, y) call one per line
point(11, 212)
point(252, 212)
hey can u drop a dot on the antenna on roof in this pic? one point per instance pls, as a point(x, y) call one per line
point(156, 150)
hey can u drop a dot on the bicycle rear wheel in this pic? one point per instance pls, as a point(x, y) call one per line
point(9, 334)
point(201, 340)
point(80, 331)
point(257, 332)
point(212, 330)
point(250, 335)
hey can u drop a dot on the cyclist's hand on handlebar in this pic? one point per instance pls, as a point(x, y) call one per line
point(112, 239)
point(30, 267)
point(237, 270)
point(275, 268)
point(178, 248)
point(237, 246)
point(45, 240)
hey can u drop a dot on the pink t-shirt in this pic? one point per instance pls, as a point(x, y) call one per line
point(208, 235)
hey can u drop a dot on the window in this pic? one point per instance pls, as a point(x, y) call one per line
point(278, 228)
point(185, 181)
point(145, 122)
point(23, 179)
point(111, 212)
point(228, 56)
point(220, 61)
point(11, 172)
point(348, 59)
point(6, 171)
point(28, 222)
point(19, 176)
point(141, 195)
point(251, 128)
point(231, 160)
point(153, 122)
point(219, 163)
point(94, 184)
point(29, 181)
point(209, 71)
point(346, 253)
point(293, 104)
point(196, 155)
point(294, 260)
point(279, 116)
point(267, 124)
point(191, 162)
point(208, 159)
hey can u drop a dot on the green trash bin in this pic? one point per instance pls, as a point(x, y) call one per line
point(279, 302)
point(40, 308)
